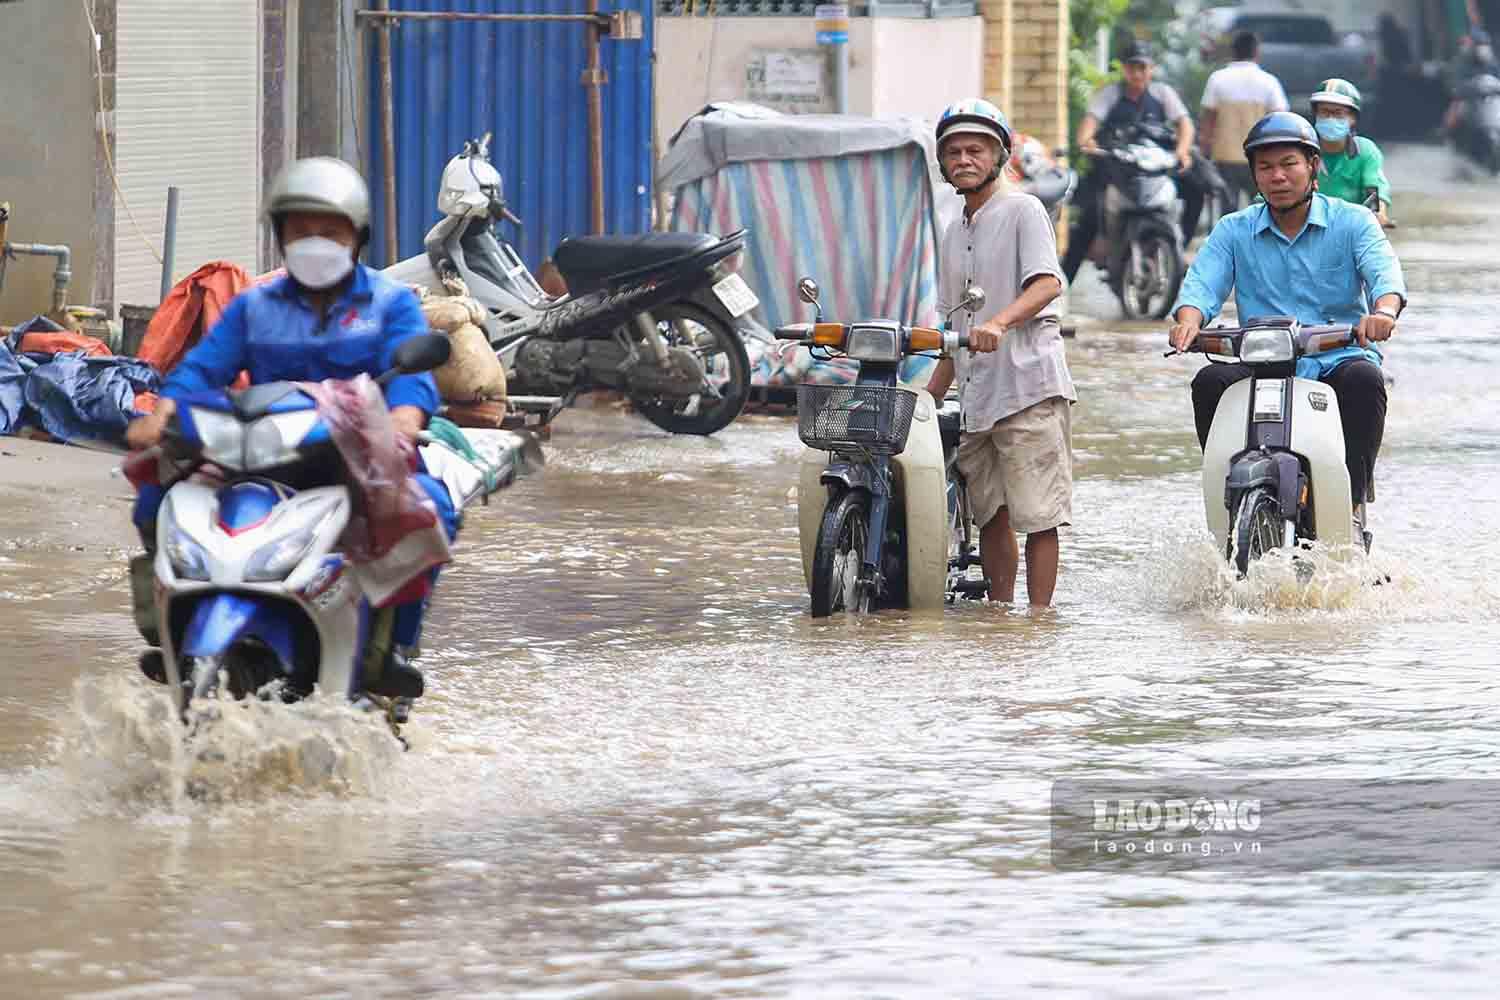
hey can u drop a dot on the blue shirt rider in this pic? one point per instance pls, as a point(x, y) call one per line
point(330, 317)
point(1304, 255)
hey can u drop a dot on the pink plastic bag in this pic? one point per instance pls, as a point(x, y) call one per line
point(394, 534)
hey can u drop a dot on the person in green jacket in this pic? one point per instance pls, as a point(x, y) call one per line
point(1351, 164)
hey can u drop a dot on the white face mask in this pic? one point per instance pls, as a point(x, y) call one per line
point(318, 263)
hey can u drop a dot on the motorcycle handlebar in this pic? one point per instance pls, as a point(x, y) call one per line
point(1226, 340)
point(917, 338)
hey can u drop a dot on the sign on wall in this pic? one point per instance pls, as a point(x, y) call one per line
point(792, 80)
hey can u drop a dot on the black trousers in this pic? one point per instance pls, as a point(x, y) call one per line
point(1088, 204)
point(1360, 388)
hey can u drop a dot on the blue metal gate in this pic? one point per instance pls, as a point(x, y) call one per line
point(520, 80)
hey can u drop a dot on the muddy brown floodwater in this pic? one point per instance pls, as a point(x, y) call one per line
point(643, 771)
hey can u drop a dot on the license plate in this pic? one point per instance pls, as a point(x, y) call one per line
point(736, 295)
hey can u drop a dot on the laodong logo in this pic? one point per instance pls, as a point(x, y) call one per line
point(1176, 815)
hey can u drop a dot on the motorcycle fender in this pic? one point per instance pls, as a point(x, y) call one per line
point(1279, 469)
point(849, 475)
point(221, 619)
point(704, 298)
point(922, 489)
point(1318, 436)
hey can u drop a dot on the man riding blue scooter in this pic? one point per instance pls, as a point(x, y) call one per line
point(329, 318)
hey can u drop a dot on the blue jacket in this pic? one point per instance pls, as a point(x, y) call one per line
point(1330, 272)
point(271, 332)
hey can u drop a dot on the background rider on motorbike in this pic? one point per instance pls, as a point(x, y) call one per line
point(1015, 446)
point(1305, 255)
point(1476, 58)
point(330, 317)
point(1352, 165)
point(1117, 106)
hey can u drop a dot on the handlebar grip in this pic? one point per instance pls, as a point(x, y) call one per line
point(801, 332)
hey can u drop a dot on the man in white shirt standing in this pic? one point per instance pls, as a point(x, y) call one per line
point(1015, 449)
point(1234, 99)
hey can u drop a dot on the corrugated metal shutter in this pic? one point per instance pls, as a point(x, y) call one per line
point(456, 81)
point(187, 113)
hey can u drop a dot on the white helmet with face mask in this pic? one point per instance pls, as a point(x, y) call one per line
point(322, 185)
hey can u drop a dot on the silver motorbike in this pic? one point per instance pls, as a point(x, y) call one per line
point(650, 315)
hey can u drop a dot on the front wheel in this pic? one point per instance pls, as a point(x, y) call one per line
point(1151, 274)
point(837, 561)
point(1258, 529)
point(726, 369)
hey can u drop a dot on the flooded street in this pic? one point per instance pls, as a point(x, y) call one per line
point(644, 771)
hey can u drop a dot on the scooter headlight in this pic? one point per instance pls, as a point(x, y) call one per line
point(273, 440)
point(222, 436)
point(278, 557)
point(873, 343)
point(189, 559)
point(274, 560)
point(1266, 346)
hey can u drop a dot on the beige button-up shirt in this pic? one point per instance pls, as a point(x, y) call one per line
point(1006, 243)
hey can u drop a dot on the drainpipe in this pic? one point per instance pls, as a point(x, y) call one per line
point(60, 277)
point(594, 79)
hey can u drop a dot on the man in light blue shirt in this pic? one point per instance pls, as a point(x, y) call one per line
point(1304, 255)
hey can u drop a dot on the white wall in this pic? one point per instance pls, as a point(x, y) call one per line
point(922, 66)
point(897, 66)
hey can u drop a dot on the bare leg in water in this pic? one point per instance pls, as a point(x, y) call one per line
point(1002, 558)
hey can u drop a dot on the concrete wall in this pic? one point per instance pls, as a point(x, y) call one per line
point(47, 149)
point(897, 66)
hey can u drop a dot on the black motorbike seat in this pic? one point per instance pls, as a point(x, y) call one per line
point(588, 262)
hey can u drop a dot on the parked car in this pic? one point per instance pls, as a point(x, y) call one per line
point(1300, 48)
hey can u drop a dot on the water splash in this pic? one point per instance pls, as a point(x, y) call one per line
point(1184, 571)
point(125, 747)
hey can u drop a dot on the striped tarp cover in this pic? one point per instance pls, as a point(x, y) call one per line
point(861, 226)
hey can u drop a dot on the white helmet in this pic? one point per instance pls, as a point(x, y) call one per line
point(320, 184)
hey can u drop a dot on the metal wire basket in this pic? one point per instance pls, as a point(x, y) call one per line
point(871, 418)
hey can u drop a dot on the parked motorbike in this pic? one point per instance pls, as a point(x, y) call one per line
point(1273, 467)
point(1478, 132)
point(652, 315)
point(1139, 245)
point(872, 500)
point(1047, 177)
point(252, 590)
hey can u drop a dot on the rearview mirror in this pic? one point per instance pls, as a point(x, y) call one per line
point(807, 290)
point(422, 353)
point(973, 299)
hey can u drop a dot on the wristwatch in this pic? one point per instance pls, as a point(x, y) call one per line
point(1389, 312)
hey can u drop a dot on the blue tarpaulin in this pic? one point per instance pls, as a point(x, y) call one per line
point(72, 396)
point(14, 370)
point(76, 397)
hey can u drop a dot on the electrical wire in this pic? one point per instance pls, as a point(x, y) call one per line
point(346, 42)
point(109, 159)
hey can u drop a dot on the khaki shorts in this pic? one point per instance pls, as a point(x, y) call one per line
point(1024, 463)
